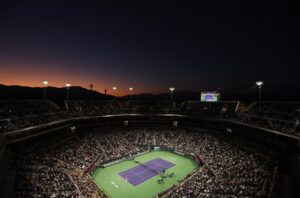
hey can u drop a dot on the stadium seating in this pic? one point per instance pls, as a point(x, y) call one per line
point(230, 169)
point(148, 106)
point(92, 107)
point(18, 114)
point(277, 110)
point(210, 109)
point(278, 116)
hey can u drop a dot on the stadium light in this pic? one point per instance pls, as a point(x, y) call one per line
point(130, 90)
point(45, 83)
point(68, 85)
point(171, 90)
point(259, 85)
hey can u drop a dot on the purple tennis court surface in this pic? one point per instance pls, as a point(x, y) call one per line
point(145, 171)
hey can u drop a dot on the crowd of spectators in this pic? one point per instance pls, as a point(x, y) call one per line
point(277, 110)
point(43, 176)
point(21, 108)
point(229, 169)
point(19, 114)
point(222, 109)
point(282, 117)
point(150, 106)
point(78, 108)
point(279, 116)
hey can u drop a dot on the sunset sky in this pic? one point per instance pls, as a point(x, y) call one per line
point(148, 46)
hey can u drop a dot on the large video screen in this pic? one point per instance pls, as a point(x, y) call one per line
point(210, 97)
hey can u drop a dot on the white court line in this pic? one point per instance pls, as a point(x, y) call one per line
point(136, 174)
point(156, 164)
point(172, 158)
point(140, 173)
point(113, 183)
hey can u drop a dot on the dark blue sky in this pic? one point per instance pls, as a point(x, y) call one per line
point(150, 46)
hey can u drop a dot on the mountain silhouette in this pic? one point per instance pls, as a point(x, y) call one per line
point(53, 93)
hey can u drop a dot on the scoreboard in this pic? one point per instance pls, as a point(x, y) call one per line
point(210, 97)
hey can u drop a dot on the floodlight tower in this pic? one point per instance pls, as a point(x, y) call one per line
point(130, 90)
point(114, 89)
point(259, 85)
point(68, 85)
point(171, 90)
point(45, 83)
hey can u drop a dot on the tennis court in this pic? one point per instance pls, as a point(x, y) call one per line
point(110, 180)
point(145, 171)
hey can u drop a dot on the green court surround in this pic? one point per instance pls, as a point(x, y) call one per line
point(109, 180)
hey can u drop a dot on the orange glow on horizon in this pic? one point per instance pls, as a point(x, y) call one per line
point(33, 76)
point(120, 92)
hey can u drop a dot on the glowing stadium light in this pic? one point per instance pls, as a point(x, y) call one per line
point(45, 83)
point(130, 88)
point(114, 88)
point(68, 85)
point(259, 84)
point(171, 90)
